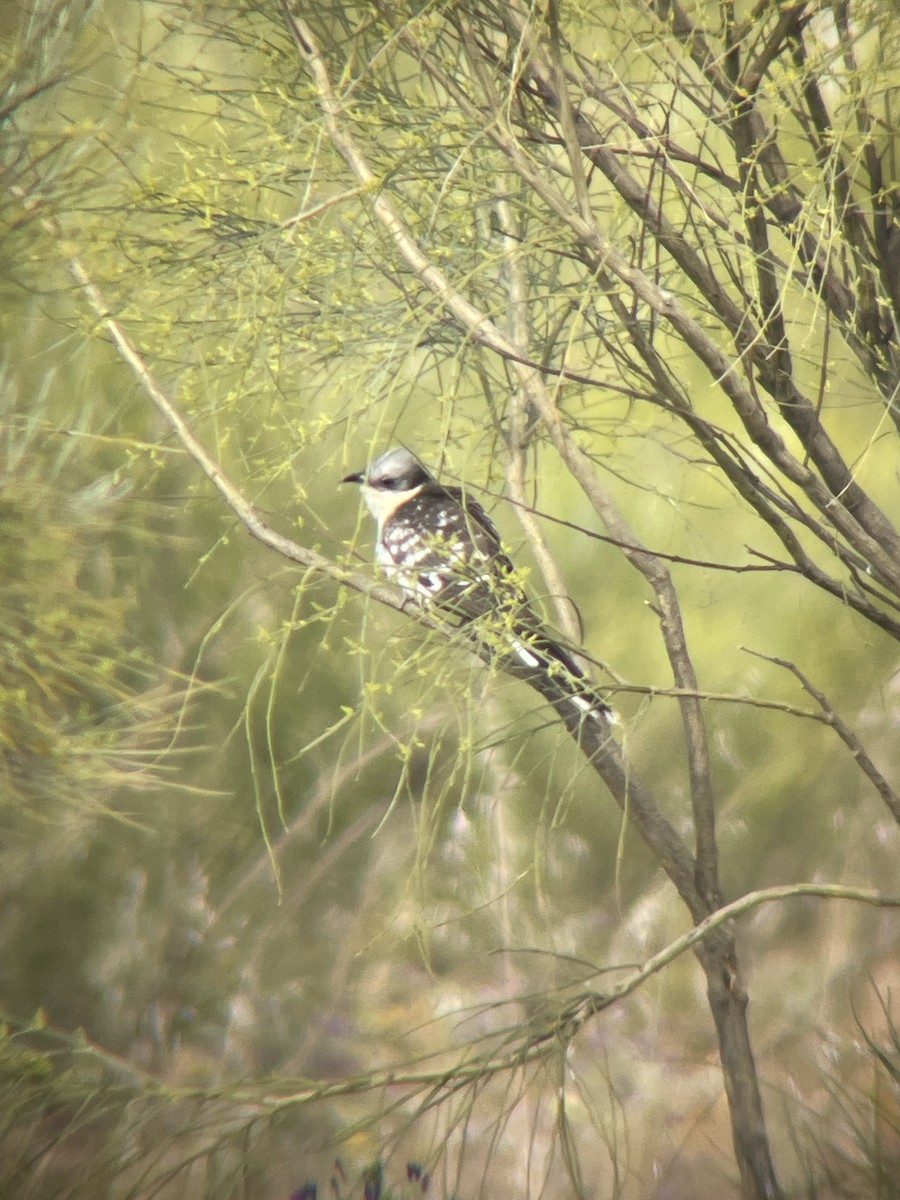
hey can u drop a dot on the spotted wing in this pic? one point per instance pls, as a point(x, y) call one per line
point(442, 548)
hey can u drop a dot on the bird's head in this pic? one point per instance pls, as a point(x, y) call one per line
point(389, 481)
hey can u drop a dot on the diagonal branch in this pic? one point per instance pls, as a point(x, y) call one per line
point(837, 496)
point(844, 732)
point(540, 1035)
point(834, 490)
point(231, 494)
point(786, 204)
point(605, 755)
point(592, 736)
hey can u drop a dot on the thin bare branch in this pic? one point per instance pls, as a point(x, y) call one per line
point(844, 732)
point(519, 428)
point(604, 753)
point(542, 1037)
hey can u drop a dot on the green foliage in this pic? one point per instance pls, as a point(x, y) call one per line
point(70, 712)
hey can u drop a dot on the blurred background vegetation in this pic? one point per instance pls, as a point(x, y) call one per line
point(262, 837)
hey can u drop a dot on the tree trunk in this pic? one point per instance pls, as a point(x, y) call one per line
point(728, 1002)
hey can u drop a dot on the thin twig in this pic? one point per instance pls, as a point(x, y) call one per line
point(518, 429)
point(842, 729)
point(234, 498)
point(602, 751)
point(538, 1042)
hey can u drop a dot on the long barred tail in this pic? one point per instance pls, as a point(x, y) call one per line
point(552, 671)
point(508, 631)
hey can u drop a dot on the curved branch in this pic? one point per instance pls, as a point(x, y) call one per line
point(544, 1035)
point(605, 755)
point(844, 732)
point(230, 493)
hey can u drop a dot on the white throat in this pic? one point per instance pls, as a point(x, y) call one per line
point(382, 504)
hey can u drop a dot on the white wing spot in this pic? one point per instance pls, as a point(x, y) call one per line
point(432, 582)
point(529, 659)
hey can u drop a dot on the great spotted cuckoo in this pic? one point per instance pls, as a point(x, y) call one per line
point(442, 549)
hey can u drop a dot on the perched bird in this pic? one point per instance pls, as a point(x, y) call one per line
point(442, 549)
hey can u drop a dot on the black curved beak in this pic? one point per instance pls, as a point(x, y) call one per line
point(356, 477)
